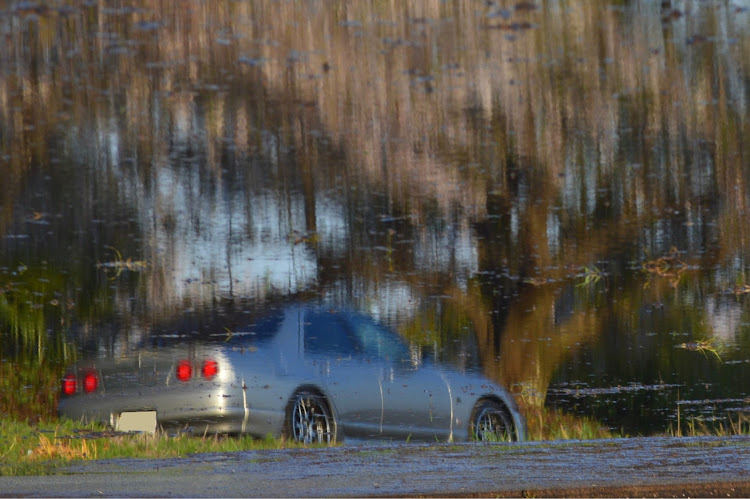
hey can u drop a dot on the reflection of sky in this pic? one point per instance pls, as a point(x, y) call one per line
point(333, 233)
point(209, 239)
point(391, 301)
point(724, 318)
point(452, 248)
point(204, 237)
point(226, 240)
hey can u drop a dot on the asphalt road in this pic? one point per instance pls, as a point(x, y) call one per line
point(664, 467)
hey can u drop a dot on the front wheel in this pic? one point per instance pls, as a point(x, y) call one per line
point(310, 419)
point(491, 422)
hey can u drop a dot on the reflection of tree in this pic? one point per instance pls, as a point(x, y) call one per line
point(532, 345)
point(520, 349)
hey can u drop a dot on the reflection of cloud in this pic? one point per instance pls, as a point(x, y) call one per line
point(223, 242)
point(724, 317)
point(393, 302)
point(333, 231)
point(453, 247)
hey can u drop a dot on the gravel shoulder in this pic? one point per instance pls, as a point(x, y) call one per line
point(657, 467)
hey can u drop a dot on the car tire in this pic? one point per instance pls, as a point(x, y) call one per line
point(309, 419)
point(491, 422)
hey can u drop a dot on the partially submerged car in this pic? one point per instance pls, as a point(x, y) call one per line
point(310, 373)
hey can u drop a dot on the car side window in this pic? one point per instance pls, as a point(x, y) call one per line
point(326, 334)
point(378, 343)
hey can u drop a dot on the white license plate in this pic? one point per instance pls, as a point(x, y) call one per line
point(143, 421)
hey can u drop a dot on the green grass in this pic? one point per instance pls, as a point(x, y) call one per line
point(696, 427)
point(39, 449)
point(549, 424)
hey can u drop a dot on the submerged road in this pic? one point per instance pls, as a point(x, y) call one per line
point(664, 467)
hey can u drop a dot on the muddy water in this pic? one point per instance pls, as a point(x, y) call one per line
point(554, 193)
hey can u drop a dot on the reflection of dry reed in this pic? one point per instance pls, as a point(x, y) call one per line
point(398, 85)
point(394, 83)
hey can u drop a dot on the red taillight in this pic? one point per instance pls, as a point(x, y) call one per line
point(69, 384)
point(210, 368)
point(184, 370)
point(90, 382)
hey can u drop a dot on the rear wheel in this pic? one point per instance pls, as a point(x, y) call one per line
point(310, 419)
point(491, 422)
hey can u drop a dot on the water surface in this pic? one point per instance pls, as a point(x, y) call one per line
point(555, 193)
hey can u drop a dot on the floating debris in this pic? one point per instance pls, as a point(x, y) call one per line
point(119, 264)
point(666, 266)
point(536, 281)
point(704, 346)
point(590, 276)
point(669, 265)
point(578, 392)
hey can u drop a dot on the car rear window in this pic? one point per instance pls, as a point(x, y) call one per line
point(258, 332)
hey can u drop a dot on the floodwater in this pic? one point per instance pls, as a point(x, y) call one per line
point(555, 193)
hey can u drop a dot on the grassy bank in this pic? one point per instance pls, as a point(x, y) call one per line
point(37, 449)
point(40, 448)
point(548, 424)
point(696, 427)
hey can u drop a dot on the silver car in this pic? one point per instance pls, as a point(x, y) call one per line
point(309, 373)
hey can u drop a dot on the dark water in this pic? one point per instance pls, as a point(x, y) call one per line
point(554, 193)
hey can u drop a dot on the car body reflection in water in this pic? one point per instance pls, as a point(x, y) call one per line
point(310, 373)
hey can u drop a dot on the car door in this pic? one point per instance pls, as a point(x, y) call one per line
point(352, 383)
point(416, 400)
